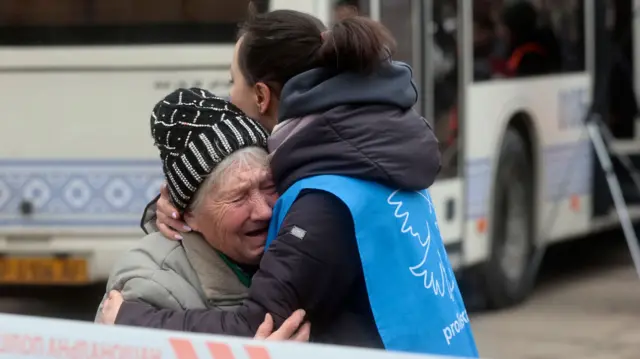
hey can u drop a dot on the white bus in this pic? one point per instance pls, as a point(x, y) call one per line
point(519, 172)
point(78, 79)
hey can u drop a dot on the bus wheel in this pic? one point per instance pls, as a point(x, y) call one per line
point(508, 277)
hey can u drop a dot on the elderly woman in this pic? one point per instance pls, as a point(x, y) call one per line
point(217, 171)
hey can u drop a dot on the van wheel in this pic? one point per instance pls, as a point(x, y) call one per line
point(508, 273)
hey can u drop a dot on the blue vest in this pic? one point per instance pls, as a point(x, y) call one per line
point(413, 293)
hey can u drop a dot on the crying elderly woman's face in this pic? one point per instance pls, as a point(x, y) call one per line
point(234, 209)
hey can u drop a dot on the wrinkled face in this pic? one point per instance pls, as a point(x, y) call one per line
point(234, 217)
point(256, 101)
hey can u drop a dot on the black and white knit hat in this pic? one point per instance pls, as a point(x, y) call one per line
point(194, 131)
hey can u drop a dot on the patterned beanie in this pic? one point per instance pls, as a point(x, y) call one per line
point(194, 131)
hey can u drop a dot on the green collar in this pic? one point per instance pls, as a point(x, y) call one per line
point(244, 278)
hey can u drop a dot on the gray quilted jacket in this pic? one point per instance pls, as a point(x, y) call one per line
point(176, 275)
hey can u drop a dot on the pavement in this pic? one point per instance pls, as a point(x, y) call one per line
point(594, 317)
point(586, 306)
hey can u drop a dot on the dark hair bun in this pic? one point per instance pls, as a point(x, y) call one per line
point(356, 44)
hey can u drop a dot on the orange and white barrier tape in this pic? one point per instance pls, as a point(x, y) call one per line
point(44, 338)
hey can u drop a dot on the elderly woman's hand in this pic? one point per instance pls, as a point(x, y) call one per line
point(294, 328)
point(167, 217)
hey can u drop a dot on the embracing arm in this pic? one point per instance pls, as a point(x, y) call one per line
point(314, 273)
point(143, 290)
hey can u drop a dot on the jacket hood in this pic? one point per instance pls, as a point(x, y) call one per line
point(354, 125)
point(319, 90)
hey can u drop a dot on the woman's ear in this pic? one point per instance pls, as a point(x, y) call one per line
point(267, 105)
point(263, 97)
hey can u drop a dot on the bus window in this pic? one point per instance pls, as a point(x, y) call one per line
point(622, 99)
point(445, 77)
point(396, 15)
point(346, 8)
point(120, 22)
point(527, 38)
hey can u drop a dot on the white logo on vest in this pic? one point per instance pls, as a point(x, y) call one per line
point(441, 283)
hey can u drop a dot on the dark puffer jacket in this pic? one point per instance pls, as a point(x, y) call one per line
point(363, 126)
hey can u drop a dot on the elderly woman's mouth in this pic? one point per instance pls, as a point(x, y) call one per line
point(260, 232)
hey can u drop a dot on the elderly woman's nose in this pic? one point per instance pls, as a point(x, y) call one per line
point(261, 208)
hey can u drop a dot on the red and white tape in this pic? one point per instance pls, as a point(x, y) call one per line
point(44, 338)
